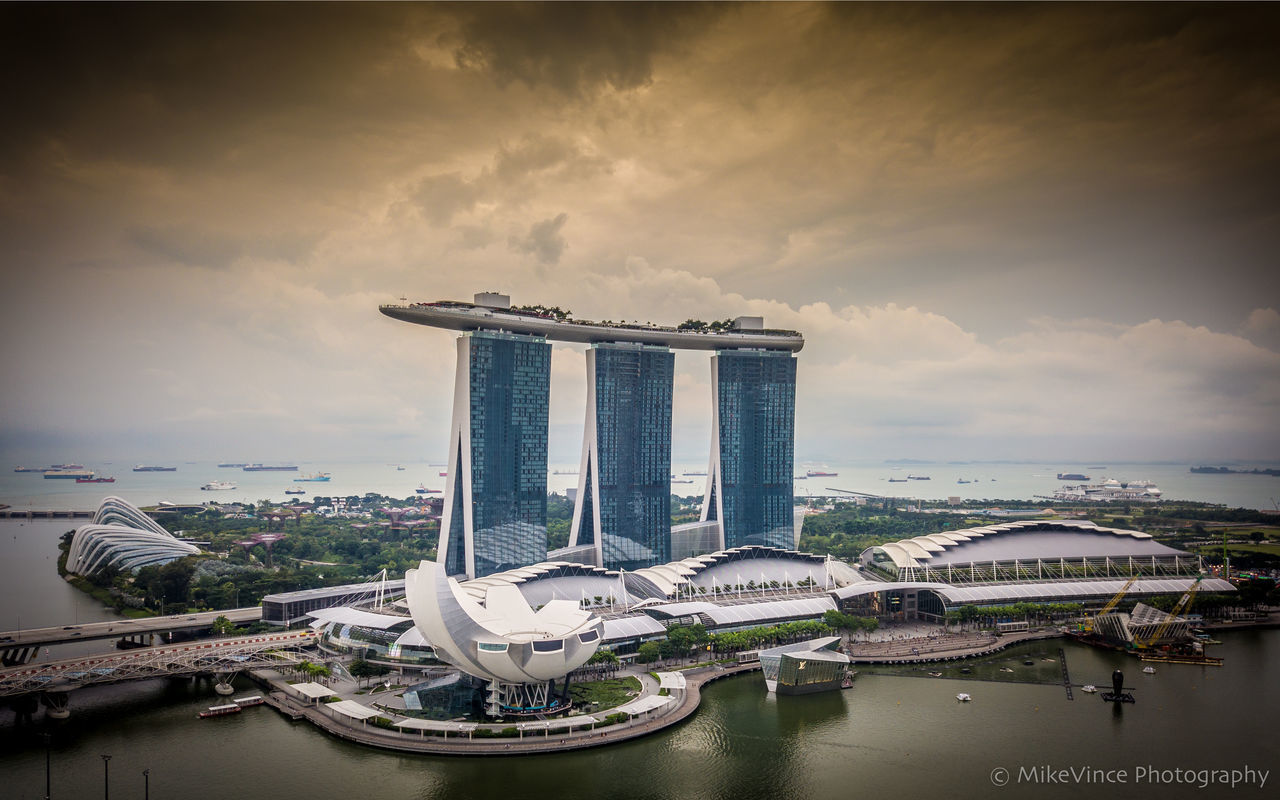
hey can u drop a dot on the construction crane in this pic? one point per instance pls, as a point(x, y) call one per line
point(1178, 608)
point(1111, 604)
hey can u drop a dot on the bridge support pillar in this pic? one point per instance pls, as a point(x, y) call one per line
point(222, 683)
point(57, 704)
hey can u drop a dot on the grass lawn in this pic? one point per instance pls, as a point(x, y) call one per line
point(608, 693)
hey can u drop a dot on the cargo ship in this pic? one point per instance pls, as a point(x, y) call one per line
point(68, 474)
point(237, 466)
point(266, 468)
point(813, 473)
point(95, 480)
point(145, 468)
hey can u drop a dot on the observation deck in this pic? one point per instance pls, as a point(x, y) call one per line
point(459, 316)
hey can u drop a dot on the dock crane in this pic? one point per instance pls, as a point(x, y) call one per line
point(1111, 604)
point(1178, 608)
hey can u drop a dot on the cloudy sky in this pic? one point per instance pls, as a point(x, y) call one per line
point(1029, 232)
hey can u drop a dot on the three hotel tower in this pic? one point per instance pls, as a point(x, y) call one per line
point(495, 504)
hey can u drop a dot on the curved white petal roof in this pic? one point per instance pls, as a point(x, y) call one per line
point(501, 638)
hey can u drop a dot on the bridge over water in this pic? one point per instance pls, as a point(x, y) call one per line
point(219, 657)
point(20, 647)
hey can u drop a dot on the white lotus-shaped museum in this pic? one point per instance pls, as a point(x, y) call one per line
point(501, 638)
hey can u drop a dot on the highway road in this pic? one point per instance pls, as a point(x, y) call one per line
point(118, 628)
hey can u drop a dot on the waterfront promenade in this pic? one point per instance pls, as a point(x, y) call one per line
point(940, 647)
point(532, 737)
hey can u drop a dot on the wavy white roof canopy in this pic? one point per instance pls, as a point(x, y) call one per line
point(501, 638)
point(918, 551)
point(123, 536)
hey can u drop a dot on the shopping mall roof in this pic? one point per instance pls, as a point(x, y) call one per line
point(1026, 540)
point(345, 615)
point(1047, 591)
point(720, 616)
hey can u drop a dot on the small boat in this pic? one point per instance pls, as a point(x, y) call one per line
point(962, 480)
point(935, 674)
point(897, 480)
point(1089, 688)
point(444, 474)
point(1149, 670)
point(399, 469)
point(1028, 663)
point(1005, 669)
point(295, 491)
point(963, 697)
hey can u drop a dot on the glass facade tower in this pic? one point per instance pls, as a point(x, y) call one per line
point(495, 505)
point(750, 479)
point(623, 505)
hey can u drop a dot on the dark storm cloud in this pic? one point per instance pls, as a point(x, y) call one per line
point(576, 47)
point(908, 184)
point(543, 241)
point(168, 79)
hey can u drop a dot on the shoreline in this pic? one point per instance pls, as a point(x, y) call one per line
point(676, 713)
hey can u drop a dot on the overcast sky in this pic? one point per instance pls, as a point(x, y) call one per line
point(1030, 232)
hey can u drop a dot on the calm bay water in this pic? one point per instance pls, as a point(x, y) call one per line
point(987, 481)
point(888, 736)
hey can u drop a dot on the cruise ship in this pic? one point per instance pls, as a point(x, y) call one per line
point(1110, 489)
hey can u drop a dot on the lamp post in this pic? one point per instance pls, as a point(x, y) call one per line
point(47, 738)
point(106, 780)
point(146, 784)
